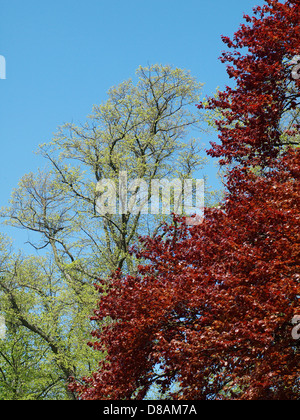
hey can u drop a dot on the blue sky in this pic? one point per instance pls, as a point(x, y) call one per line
point(63, 56)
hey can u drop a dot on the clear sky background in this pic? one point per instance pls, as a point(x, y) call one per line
point(62, 56)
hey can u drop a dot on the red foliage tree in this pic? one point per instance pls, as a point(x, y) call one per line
point(214, 306)
point(212, 309)
point(251, 113)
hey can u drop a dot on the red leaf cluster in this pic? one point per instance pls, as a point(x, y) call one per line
point(211, 309)
point(251, 112)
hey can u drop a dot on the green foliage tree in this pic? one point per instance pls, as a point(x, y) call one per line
point(143, 129)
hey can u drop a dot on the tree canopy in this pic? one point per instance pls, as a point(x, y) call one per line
point(209, 315)
point(47, 298)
